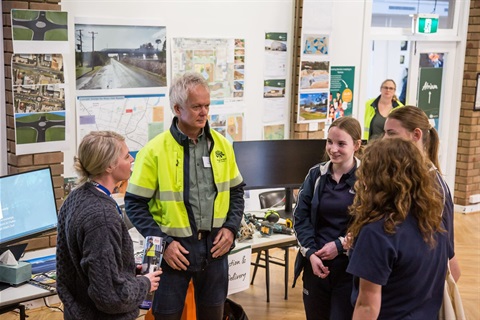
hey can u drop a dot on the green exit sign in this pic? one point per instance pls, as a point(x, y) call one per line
point(425, 23)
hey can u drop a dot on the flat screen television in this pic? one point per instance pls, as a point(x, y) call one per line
point(27, 206)
point(278, 164)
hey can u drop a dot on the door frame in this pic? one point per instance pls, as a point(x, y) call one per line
point(450, 100)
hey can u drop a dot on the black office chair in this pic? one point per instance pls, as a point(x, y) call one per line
point(271, 199)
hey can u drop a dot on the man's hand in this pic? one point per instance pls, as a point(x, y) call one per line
point(328, 252)
point(175, 256)
point(222, 243)
point(318, 268)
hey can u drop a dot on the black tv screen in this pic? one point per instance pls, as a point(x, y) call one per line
point(277, 163)
point(27, 205)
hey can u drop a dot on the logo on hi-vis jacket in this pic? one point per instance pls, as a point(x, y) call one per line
point(220, 156)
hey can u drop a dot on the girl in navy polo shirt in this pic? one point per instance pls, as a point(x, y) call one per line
point(412, 123)
point(400, 249)
point(321, 219)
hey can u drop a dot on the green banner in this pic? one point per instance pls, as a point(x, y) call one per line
point(429, 92)
point(341, 92)
point(280, 36)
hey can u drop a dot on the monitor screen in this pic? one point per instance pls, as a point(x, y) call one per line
point(277, 163)
point(27, 205)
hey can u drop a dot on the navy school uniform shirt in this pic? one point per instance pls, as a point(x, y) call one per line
point(333, 215)
point(411, 273)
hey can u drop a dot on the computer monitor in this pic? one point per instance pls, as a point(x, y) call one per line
point(27, 206)
point(278, 164)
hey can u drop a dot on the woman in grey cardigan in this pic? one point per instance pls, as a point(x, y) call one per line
point(95, 263)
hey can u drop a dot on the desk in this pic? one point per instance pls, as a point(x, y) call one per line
point(11, 298)
point(261, 244)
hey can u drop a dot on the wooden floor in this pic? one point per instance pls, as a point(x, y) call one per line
point(253, 300)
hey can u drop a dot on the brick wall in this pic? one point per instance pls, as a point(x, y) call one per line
point(467, 176)
point(300, 130)
point(21, 163)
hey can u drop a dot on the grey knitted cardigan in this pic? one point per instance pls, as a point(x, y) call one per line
point(95, 263)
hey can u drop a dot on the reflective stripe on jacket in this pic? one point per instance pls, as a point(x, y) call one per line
point(162, 174)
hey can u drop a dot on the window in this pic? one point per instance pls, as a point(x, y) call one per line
point(396, 13)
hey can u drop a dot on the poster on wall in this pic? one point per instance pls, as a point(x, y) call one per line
point(340, 102)
point(113, 58)
point(274, 110)
point(274, 132)
point(430, 85)
point(228, 125)
point(274, 85)
point(274, 88)
point(220, 61)
point(312, 106)
point(314, 78)
point(275, 54)
point(314, 44)
point(314, 74)
point(38, 87)
point(45, 31)
point(429, 93)
point(138, 118)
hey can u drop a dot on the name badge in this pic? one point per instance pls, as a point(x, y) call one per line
point(206, 162)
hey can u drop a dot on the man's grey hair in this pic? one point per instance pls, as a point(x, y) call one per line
point(182, 85)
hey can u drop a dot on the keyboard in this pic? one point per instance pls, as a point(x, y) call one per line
point(43, 264)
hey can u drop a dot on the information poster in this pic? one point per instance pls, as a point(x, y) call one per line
point(429, 92)
point(220, 61)
point(138, 118)
point(341, 92)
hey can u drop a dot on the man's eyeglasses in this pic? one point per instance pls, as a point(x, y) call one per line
point(388, 88)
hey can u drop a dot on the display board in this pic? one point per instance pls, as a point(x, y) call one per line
point(227, 19)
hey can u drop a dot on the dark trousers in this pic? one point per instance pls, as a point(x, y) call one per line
point(328, 298)
point(210, 283)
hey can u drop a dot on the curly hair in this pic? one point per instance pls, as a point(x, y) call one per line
point(394, 181)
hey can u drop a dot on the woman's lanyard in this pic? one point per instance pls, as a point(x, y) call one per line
point(107, 192)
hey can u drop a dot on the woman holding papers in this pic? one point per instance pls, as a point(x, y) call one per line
point(95, 263)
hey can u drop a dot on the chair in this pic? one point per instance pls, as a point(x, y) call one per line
point(271, 199)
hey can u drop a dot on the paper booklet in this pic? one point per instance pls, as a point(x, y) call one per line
point(151, 260)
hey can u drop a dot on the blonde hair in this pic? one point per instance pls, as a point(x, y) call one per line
point(97, 151)
point(394, 181)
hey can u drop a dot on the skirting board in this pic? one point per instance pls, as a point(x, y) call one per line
point(467, 209)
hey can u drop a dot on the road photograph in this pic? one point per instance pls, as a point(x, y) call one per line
point(119, 56)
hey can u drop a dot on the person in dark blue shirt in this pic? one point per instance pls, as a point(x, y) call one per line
point(400, 247)
point(321, 219)
point(412, 123)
